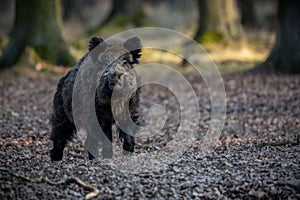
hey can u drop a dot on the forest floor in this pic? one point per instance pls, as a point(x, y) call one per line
point(257, 157)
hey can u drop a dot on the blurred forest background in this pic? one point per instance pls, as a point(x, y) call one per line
point(258, 154)
point(239, 34)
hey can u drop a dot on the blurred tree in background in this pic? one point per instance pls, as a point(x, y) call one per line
point(285, 55)
point(82, 16)
point(125, 10)
point(218, 21)
point(37, 24)
point(248, 13)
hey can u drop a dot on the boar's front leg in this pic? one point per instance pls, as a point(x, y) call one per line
point(128, 143)
point(106, 126)
point(106, 141)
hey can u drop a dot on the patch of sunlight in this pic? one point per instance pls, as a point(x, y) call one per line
point(242, 55)
point(162, 57)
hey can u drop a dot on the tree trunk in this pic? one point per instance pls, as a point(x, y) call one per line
point(124, 9)
point(285, 54)
point(74, 9)
point(219, 20)
point(6, 16)
point(248, 13)
point(37, 24)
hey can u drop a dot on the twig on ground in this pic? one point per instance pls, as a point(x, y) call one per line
point(94, 191)
point(275, 144)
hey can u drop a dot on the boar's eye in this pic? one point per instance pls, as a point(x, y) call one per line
point(125, 63)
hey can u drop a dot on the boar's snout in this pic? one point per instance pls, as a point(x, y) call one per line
point(115, 80)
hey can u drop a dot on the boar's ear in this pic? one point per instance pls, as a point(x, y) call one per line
point(135, 47)
point(94, 41)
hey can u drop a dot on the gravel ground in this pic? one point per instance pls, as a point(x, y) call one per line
point(250, 161)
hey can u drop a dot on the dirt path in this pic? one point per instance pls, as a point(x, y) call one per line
point(261, 108)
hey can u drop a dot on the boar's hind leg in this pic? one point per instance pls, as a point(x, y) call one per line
point(61, 133)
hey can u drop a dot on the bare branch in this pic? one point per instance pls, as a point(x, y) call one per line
point(94, 192)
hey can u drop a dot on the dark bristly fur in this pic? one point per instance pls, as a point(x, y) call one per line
point(63, 128)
